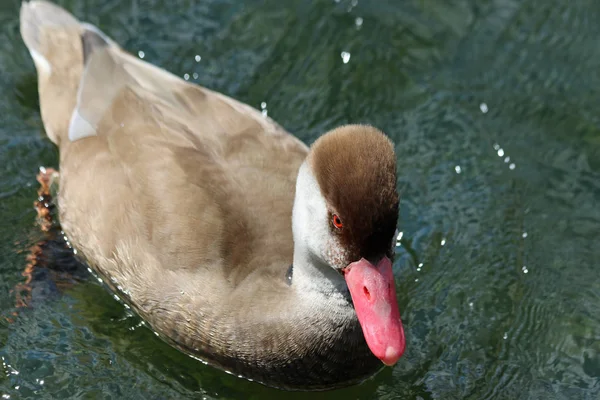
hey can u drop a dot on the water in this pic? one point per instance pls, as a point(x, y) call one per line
point(493, 105)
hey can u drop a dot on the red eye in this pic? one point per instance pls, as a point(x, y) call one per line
point(337, 222)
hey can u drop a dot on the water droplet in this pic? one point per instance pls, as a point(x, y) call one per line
point(420, 265)
point(524, 269)
point(186, 76)
point(263, 105)
point(195, 75)
point(89, 269)
point(42, 169)
point(500, 152)
point(100, 280)
point(141, 54)
point(358, 21)
point(197, 58)
point(507, 159)
point(458, 169)
point(443, 242)
point(483, 107)
point(345, 57)
point(524, 235)
point(264, 113)
point(156, 333)
point(399, 238)
point(42, 382)
point(417, 280)
point(496, 146)
point(512, 166)
point(6, 396)
point(505, 336)
point(471, 304)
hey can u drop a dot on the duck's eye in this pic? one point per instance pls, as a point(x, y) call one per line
point(337, 222)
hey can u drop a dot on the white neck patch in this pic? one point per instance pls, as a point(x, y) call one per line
point(312, 238)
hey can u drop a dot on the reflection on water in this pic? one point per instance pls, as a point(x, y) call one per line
point(493, 107)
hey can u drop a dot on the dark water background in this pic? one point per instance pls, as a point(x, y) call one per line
point(494, 107)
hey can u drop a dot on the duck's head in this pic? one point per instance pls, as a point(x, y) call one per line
point(344, 220)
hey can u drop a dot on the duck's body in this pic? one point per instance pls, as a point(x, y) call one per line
point(182, 199)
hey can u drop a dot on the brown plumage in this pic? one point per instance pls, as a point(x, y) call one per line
point(181, 198)
point(355, 167)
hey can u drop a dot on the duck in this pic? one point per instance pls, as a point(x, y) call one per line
point(233, 240)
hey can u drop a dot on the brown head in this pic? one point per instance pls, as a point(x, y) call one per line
point(355, 168)
point(345, 216)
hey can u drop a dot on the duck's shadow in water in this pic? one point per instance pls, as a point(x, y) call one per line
point(53, 270)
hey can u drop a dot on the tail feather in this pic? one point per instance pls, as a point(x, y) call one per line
point(60, 46)
point(39, 14)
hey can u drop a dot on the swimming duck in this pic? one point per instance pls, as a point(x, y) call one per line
point(233, 240)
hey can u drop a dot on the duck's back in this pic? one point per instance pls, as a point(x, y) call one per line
point(212, 179)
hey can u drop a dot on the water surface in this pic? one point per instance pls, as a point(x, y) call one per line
point(493, 106)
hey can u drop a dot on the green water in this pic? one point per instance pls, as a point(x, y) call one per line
point(493, 106)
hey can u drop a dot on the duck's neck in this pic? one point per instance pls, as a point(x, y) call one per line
point(310, 273)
